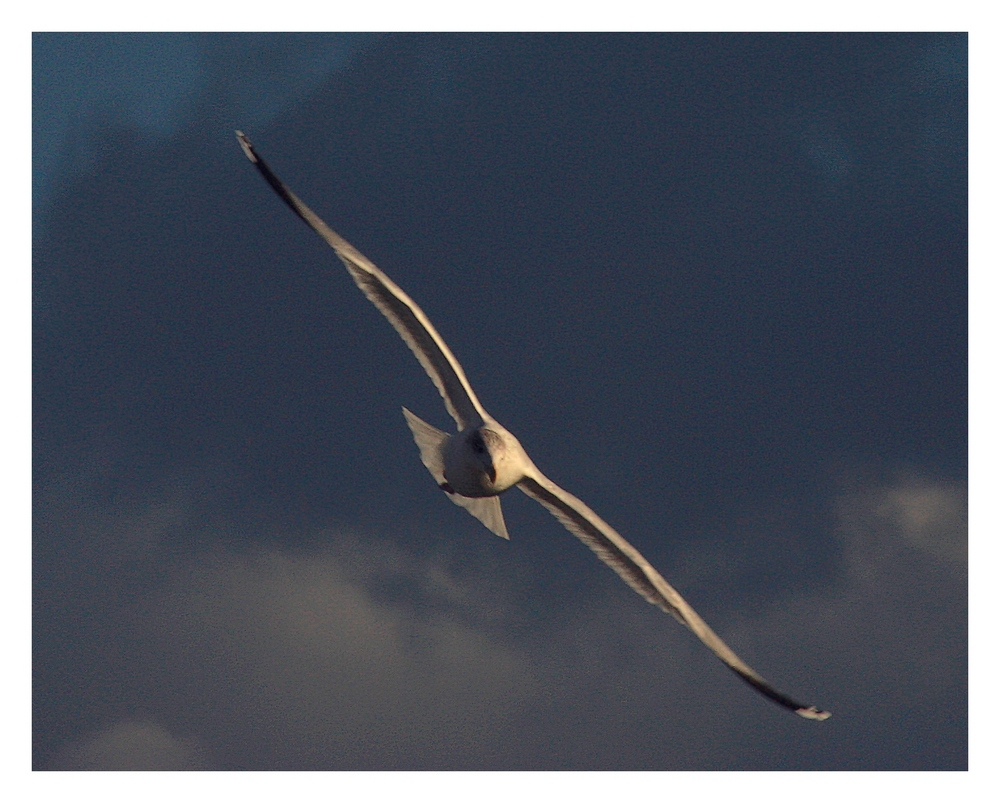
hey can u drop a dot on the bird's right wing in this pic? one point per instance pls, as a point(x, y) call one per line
point(635, 570)
point(401, 311)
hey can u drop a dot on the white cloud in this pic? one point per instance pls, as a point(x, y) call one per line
point(931, 516)
point(131, 746)
point(910, 513)
point(294, 645)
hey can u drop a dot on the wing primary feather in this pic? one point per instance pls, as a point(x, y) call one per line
point(639, 574)
point(399, 309)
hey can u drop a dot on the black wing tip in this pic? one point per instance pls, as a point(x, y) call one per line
point(814, 713)
point(247, 146)
point(765, 688)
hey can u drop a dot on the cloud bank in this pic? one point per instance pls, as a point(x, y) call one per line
point(359, 654)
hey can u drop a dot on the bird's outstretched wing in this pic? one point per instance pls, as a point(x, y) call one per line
point(401, 311)
point(635, 570)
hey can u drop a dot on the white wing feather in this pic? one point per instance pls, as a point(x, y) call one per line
point(635, 570)
point(401, 311)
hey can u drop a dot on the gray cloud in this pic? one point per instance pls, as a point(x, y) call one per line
point(130, 746)
point(155, 90)
point(930, 516)
point(364, 655)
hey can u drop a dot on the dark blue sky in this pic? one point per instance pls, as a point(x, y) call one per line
point(715, 284)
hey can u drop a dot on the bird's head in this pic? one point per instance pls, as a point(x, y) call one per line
point(484, 448)
point(484, 461)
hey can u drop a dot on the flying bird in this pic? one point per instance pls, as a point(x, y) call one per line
point(474, 465)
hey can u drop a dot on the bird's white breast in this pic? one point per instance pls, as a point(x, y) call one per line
point(484, 461)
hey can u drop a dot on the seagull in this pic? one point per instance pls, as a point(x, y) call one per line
point(482, 460)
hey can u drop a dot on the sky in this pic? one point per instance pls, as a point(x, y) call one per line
point(715, 284)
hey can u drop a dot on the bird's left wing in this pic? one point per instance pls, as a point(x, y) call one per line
point(635, 570)
point(401, 311)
